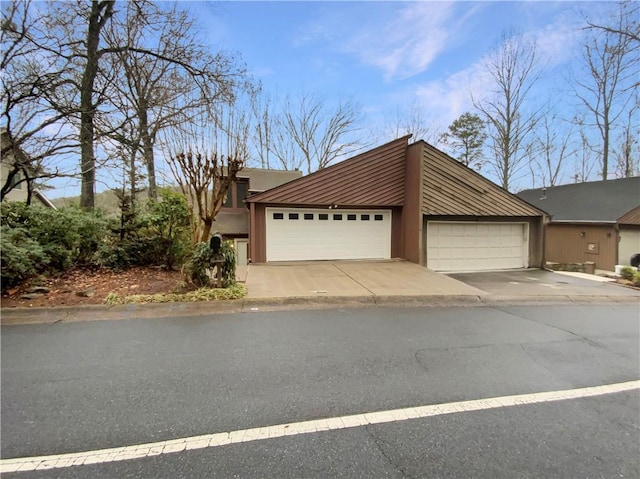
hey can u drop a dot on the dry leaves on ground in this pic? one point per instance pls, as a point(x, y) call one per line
point(81, 287)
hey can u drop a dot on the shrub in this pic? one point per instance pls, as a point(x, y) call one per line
point(22, 257)
point(636, 279)
point(198, 264)
point(627, 273)
point(201, 261)
point(59, 238)
point(169, 222)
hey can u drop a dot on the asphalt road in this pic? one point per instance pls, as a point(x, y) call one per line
point(85, 386)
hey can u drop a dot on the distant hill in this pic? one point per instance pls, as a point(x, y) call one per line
point(106, 201)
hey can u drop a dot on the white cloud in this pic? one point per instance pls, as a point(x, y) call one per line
point(408, 43)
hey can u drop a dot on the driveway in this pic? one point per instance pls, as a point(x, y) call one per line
point(535, 282)
point(351, 279)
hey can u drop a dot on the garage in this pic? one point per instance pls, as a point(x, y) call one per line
point(477, 246)
point(628, 246)
point(296, 234)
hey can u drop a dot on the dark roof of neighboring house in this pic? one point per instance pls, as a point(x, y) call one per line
point(595, 201)
point(372, 178)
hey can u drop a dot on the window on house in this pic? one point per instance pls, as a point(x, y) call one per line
point(377, 217)
point(308, 216)
point(228, 201)
point(337, 217)
point(323, 216)
point(242, 188)
point(293, 216)
point(364, 217)
point(278, 216)
point(16, 181)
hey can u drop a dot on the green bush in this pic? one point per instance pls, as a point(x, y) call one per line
point(201, 260)
point(22, 257)
point(169, 222)
point(627, 273)
point(636, 279)
point(43, 240)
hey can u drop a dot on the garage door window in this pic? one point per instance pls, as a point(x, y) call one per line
point(337, 217)
point(351, 217)
point(293, 216)
point(364, 217)
point(323, 216)
point(278, 216)
point(308, 216)
point(377, 217)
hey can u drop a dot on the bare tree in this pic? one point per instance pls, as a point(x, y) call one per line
point(627, 155)
point(71, 42)
point(33, 134)
point(512, 68)
point(466, 137)
point(550, 150)
point(205, 162)
point(624, 24)
point(160, 92)
point(320, 132)
point(584, 164)
point(304, 132)
point(609, 84)
point(411, 121)
point(263, 136)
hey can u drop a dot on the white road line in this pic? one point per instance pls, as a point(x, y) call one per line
point(331, 424)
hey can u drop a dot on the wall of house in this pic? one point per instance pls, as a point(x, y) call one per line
point(629, 243)
point(411, 227)
point(579, 243)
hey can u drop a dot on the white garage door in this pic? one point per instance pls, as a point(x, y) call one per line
point(305, 234)
point(476, 246)
point(628, 246)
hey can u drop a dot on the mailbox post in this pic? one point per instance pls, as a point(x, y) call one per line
point(215, 244)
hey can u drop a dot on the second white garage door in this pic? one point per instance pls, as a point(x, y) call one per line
point(476, 246)
point(304, 234)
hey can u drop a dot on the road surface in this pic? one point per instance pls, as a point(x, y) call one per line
point(149, 387)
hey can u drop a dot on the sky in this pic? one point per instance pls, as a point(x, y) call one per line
point(391, 56)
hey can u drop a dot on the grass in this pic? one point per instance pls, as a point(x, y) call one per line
point(236, 291)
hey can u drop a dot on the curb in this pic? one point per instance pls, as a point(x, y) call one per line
point(66, 314)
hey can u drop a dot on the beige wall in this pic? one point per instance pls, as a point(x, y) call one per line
point(569, 243)
point(629, 243)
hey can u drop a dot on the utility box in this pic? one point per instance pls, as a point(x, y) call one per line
point(589, 267)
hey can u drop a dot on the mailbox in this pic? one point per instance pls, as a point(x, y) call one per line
point(215, 243)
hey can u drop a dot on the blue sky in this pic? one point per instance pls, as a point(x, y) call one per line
point(395, 56)
point(389, 54)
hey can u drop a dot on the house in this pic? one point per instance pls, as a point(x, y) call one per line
point(597, 221)
point(10, 155)
point(233, 219)
point(398, 200)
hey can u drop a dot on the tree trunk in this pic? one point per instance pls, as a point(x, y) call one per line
point(147, 147)
point(100, 13)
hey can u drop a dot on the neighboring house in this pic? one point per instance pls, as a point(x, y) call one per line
point(397, 201)
point(598, 221)
point(20, 191)
point(233, 219)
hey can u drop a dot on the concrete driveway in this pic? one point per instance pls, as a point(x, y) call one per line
point(351, 279)
point(535, 282)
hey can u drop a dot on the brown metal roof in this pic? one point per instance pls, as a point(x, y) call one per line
point(630, 218)
point(450, 188)
point(373, 178)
